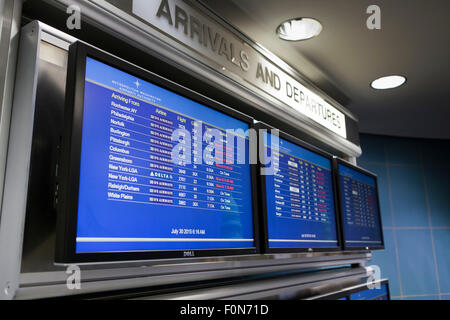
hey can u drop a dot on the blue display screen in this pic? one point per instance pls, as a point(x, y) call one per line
point(359, 208)
point(300, 198)
point(380, 293)
point(132, 195)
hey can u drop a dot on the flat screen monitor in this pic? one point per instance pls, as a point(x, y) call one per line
point(376, 290)
point(381, 292)
point(359, 207)
point(299, 212)
point(122, 194)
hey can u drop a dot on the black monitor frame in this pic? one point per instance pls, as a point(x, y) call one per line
point(336, 163)
point(264, 232)
point(345, 293)
point(69, 164)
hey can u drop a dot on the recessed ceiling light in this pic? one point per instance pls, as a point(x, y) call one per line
point(299, 29)
point(388, 82)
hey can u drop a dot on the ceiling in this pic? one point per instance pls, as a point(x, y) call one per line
point(346, 57)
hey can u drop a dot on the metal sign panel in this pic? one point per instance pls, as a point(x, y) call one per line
point(228, 53)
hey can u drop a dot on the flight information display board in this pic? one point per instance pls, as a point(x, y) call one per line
point(380, 293)
point(299, 198)
point(377, 290)
point(359, 206)
point(132, 195)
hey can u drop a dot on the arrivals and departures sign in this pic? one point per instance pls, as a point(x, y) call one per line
point(202, 34)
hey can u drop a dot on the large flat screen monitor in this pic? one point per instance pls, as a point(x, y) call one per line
point(380, 292)
point(376, 290)
point(298, 199)
point(123, 195)
point(359, 207)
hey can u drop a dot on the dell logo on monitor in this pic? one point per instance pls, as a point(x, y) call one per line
point(188, 254)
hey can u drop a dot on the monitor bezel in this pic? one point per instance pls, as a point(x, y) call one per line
point(336, 162)
point(70, 157)
point(264, 241)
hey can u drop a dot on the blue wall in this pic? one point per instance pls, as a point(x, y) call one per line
point(414, 185)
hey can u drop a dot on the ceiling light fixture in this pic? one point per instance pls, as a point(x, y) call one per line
point(388, 82)
point(299, 29)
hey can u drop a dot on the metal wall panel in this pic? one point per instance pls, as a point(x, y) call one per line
point(18, 163)
point(9, 39)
